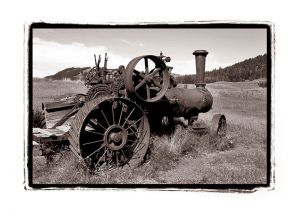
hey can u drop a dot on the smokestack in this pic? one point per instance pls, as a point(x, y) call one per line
point(200, 56)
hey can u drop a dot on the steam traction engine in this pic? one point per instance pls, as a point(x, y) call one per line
point(110, 126)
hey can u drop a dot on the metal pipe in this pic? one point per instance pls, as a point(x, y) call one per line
point(200, 56)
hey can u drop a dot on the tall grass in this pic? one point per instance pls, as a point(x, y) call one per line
point(38, 119)
point(47, 90)
point(164, 155)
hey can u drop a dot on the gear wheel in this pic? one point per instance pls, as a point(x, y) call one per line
point(98, 90)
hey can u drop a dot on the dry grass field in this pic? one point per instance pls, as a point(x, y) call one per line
point(47, 90)
point(185, 157)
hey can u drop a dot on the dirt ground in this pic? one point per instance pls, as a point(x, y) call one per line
point(185, 157)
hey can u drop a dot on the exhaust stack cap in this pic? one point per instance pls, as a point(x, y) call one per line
point(200, 56)
point(200, 52)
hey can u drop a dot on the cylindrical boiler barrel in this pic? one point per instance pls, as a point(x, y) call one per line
point(189, 102)
point(200, 56)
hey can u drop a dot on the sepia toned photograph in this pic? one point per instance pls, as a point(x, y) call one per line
point(184, 106)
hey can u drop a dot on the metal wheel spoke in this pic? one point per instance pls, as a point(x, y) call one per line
point(140, 84)
point(133, 133)
point(155, 72)
point(132, 141)
point(121, 115)
point(139, 74)
point(148, 92)
point(95, 121)
point(135, 122)
point(132, 130)
point(101, 157)
point(113, 113)
point(128, 117)
point(127, 146)
point(94, 132)
point(140, 148)
point(92, 125)
point(91, 142)
point(105, 118)
point(95, 151)
point(146, 66)
point(156, 84)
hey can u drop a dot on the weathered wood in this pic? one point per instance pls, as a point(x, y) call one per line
point(62, 103)
point(73, 136)
point(48, 132)
point(65, 128)
point(48, 135)
point(53, 117)
point(75, 152)
point(66, 117)
point(56, 110)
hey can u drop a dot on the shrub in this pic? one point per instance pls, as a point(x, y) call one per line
point(38, 119)
point(262, 83)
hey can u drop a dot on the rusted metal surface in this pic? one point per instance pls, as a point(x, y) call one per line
point(102, 75)
point(97, 90)
point(189, 102)
point(218, 125)
point(200, 56)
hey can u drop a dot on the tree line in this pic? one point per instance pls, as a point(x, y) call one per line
point(249, 69)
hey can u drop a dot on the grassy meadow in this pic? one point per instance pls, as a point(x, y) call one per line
point(46, 90)
point(185, 157)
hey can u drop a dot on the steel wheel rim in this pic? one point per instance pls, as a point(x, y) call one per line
point(222, 127)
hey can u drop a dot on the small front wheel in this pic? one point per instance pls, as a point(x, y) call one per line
point(218, 125)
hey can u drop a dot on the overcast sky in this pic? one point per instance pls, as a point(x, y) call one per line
point(57, 49)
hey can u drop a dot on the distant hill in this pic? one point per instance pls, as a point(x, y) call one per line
point(75, 73)
point(249, 69)
point(69, 73)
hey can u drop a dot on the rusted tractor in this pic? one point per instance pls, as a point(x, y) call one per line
point(110, 126)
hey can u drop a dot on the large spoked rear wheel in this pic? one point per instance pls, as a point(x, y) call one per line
point(110, 133)
point(147, 78)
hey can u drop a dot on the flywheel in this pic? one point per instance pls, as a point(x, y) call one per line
point(147, 78)
point(110, 133)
